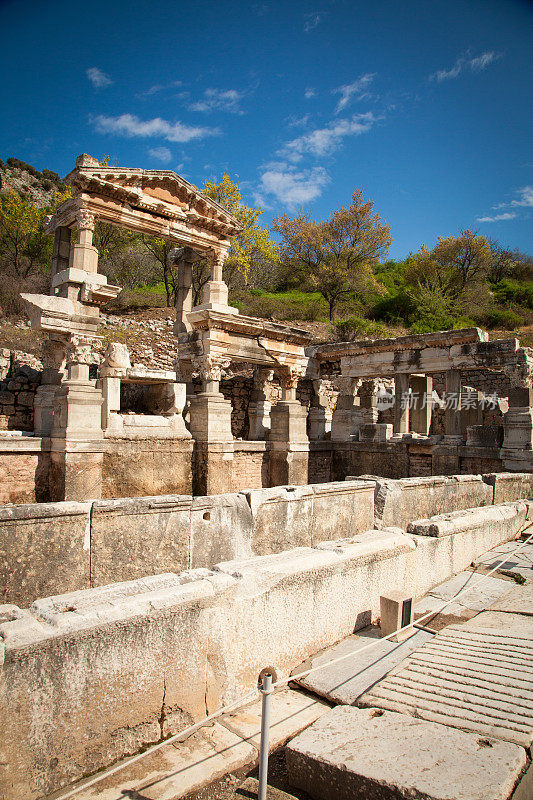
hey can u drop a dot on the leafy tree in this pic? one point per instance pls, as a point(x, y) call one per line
point(338, 253)
point(25, 248)
point(452, 277)
point(159, 249)
point(253, 246)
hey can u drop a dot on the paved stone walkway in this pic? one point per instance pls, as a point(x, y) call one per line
point(473, 677)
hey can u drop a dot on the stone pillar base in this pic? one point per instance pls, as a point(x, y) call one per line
point(43, 409)
point(289, 465)
point(210, 418)
point(75, 471)
point(212, 468)
point(77, 412)
point(259, 419)
point(289, 445)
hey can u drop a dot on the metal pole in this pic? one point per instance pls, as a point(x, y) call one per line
point(266, 690)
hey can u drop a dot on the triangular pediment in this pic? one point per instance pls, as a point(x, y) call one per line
point(151, 188)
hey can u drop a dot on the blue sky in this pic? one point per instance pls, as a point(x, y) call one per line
point(424, 104)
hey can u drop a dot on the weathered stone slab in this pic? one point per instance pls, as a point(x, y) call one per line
point(508, 486)
point(519, 564)
point(475, 676)
point(499, 517)
point(398, 502)
point(221, 529)
point(282, 518)
point(372, 754)
point(342, 509)
point(290, 712)
point(298, 516)
point(43, 546)
point(347, 680)
point(138, 536)
point(479, 591)
point(518, 600)
point(177, 769)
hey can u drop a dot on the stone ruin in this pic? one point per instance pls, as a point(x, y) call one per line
point(136, 509)
point(85, 445)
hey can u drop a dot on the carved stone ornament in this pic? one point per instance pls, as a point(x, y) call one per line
point(85, 219)
point(210, 368)
point(81, 350)
point(289, 376)
point(520, 371)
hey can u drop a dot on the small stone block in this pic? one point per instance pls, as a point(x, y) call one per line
point(396, 611)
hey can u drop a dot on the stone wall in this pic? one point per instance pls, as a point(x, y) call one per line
point(143, 659)
point(17, 392)
point(131, 537)
point(137, 467)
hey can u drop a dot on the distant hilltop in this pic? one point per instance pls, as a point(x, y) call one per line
point(38, 187)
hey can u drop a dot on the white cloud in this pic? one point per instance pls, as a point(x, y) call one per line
point(350, 89)
point(98, 78)
point(312, 20)
point(483, 61)
point(297, 122)
point(310, 93)
point(162, 154)
point(160, 87)
point(497, 217)
point(218, 100)
point(323, 141)
point(526, 197)
point(475, 64)
point(131, 125)
point(291, 187)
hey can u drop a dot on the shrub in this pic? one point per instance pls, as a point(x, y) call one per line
point(393, 308)
point(505, 319)
point(509, 291)
point(352, 328)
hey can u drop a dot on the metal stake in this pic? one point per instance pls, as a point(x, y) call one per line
point(266, 690)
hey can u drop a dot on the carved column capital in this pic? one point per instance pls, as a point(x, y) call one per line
point(85, 220)
point(210, 368)
point(81, 350)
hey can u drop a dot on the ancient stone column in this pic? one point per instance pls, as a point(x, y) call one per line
point(259, 406)
point(343, 421)
point(422, 403)
point(183, 260)
point(210, 424)
point(54, 367)
point(401, 403)
point(61, 251)
point(319, 416)
point(289, 445)
point(76, 435)
point(215, 293)
point(517, 450)
point(452, 412)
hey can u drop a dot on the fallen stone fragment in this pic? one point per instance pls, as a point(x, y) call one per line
point(369, 754)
